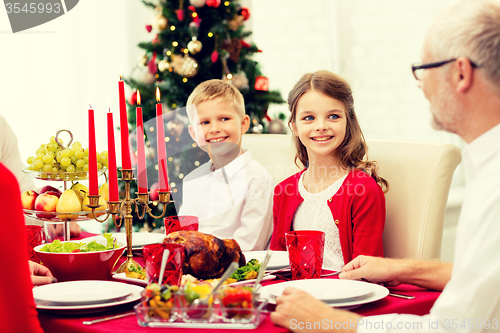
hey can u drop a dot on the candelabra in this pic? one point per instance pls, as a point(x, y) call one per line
point(122, 209)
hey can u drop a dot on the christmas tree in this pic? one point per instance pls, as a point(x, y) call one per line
point(195, 41)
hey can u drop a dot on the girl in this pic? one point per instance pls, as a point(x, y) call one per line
point(338, 192)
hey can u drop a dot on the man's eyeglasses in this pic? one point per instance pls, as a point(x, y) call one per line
point(417, 69)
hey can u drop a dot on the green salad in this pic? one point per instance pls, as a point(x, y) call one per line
point(74, 247)
point(247, 272)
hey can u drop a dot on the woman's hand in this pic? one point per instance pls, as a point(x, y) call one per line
point(40, 274)
point(296, 308)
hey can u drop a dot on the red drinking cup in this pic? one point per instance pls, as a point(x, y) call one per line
point(153, 255)
point(182, 222)
point(34, 233)
point(305, 251)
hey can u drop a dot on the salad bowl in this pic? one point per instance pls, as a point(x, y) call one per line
point(81, 260)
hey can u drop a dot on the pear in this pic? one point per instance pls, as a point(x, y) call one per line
point(81, 191)
point(104, 191)
point(68, 203)
point(103, 205)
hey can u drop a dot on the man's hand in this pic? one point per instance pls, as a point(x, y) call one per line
point(392, 272)
point(295, 308)
point(40, 274)
point(374, 269)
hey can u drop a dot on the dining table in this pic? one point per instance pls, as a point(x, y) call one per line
point(61, 322)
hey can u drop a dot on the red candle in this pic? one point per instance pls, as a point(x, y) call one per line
point(112, 176)
point(93, 188)
point(162, 155)
point(141, 155)
point(126, 164)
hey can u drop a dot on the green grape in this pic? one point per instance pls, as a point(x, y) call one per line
point(53, 162)
point(29, 167)
point(79, 154)
point(38, 164)
point(48, 158)
point(73, 159)
point(40, 151)
point(42, 145)
point(47, 168)
point(86, 168)
point(66, 152)
point(30, 159)
point(65, 161)
point(76, 144)
point(39, 156)
point(86, 159)
point(53, 175)
point(52, 146)
point(99, 166)
point(105, 163)
point(86, 151)
point(62, 174)
point(72, 176)
point(44, 176)
point(59, 158)
point(80, 163)
point(70, 168)
point(55, 169)
point(53, 139)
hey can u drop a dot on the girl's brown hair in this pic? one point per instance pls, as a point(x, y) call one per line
point(353, 149)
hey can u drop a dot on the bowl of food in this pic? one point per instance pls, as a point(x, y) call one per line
point(81, 260)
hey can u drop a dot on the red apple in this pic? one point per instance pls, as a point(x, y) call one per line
point(46, 202)
point(28, 199)
point(57, 194)
point(49, 188)
point(153, 192)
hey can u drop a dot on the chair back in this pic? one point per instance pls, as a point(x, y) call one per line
point(419, 176)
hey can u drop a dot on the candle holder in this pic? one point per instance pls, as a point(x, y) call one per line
point(122, 210)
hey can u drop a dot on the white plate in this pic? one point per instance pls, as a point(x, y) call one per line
point(279, 259)
point(123, 277)
point(333, 291)
point(81, 292)
point(139, 239)
point(251, 282)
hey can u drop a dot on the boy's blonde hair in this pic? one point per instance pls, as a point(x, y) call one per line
point(211, 89)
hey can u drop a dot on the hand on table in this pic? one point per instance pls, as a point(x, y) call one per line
point(295, 308)
point(40, 274)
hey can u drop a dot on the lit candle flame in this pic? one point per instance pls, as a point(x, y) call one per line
point(121, 78)
point(158, 94)
point(138, 98)
point(90, 106)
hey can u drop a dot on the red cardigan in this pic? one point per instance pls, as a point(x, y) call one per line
point(358, 210)
point(17, 307)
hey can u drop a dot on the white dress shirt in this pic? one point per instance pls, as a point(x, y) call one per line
point(470, 302)
point(232, 202)
point(10, 157)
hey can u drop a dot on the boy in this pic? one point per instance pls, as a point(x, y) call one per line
point(231, 194)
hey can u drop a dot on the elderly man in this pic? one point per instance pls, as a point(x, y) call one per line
point(460, 76)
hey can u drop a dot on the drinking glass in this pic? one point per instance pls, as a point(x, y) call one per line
point(305, 250)
point(153, 255)
point(34, 234)
point(56, 230)
point(182, 222)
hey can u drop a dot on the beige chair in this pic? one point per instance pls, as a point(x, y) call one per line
point(419, 176)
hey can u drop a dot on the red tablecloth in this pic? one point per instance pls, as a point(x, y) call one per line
point(424, 299)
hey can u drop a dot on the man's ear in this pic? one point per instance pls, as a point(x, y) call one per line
point(463, 74)
point(245, 124)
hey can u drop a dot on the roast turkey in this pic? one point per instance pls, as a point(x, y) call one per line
point(206, 256)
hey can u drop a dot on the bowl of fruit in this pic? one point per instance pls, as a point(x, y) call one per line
point(81, 260)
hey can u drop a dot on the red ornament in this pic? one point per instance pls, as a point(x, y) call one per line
point(214, 57)
point(261, 83)
point(213, 3)
point(191, 8)
point(133, 98)
point(153, 68)
point(180, 14)
point(197, 20)
point(244, 44)
point(245, 12)
point(149, 27)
